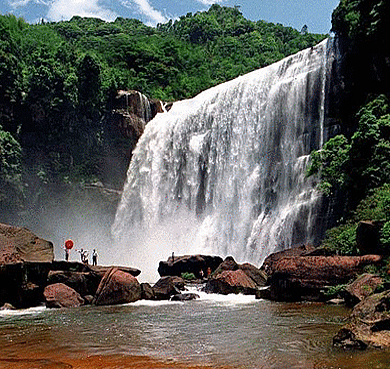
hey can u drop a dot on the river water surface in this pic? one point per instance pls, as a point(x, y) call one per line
point(216, 331)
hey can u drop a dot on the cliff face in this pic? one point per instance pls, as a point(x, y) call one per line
point(361, 28)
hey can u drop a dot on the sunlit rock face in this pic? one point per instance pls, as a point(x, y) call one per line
point(224, 173)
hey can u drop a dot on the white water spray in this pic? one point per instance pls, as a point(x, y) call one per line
point(224, 173)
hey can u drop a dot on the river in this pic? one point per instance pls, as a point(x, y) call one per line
point(217, 331)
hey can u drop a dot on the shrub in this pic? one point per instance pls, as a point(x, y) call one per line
point(188, 276)
point(342, 239)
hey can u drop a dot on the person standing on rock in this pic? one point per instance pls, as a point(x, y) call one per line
point(66, 253)
point(94, 257)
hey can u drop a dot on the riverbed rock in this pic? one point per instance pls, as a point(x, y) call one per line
point(147, 291)
point(102, 270)
point(168, 286)
point(59, 295)
point(257, 275)
point(185, 297)
point(189, 264)
point(231, 281)
point(272, 259)
point(85, 283)
point(369, 324)
point(361, 288)
point(117, 287)
point(304, 277)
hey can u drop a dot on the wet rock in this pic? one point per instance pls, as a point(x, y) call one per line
point(117, 287)
point(185, 297)
point(304, 277)
point(188, 264)
point(271, 260)
point(7, 306)
point(147, 292)
point(231, 281)
point(369, 324)
point(361, 288)
point(167, 287)
point(257, 275)
point(102, 270)
point(85, 283)
point(59, 295)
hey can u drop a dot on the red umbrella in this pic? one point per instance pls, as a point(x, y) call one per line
point(69, 244)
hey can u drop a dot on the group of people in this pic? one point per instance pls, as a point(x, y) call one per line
point(84, 254)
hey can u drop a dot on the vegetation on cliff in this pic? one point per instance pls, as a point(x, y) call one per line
point(355, 166)
point(58, 80)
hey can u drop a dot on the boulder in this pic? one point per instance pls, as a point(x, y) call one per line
point(228, 264)
point(271, 260)
point(367, 237)
point(7, 306)
point(257, 275)
point(167, 287)
point(85, 283)
point(369, 324)
point(147, 292)
point(231, 281)
point(102, 270)
point(25, 261)
point(304, 277)
point(21, 245)
point(185, 297)
point(117, 287)
point(361, 288)
point(59, 295)
point(189, 264)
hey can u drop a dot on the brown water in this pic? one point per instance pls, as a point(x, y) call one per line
point(217, 331)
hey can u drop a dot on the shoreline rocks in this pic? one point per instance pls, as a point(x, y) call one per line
point(300, 278)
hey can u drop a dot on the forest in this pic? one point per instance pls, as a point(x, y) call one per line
point(58, 80)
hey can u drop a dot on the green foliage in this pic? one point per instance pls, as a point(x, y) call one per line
point(332, 292)
point(361, 163)
point(342, 239)
point(375, 207)
point(57, 80)
point(361, 20)
point(385, 236)
point(11, 188)
point(330, 163)
point(188, 276)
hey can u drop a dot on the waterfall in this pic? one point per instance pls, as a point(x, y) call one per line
point(224, 173)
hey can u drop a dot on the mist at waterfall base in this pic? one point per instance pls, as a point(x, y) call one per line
point(224, 173)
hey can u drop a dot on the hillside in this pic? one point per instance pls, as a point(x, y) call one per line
point(58, 82)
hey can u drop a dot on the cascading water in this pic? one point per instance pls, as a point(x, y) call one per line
point(224, 173)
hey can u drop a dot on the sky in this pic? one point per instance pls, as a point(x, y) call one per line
point(316, 14)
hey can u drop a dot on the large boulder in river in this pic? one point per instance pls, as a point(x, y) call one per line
point(102, 270)
point(271, 260)
point(369, 324)
point(25, 261)
point(177, 265)
point(364, 286)
point(59, 295)
point(85, 283)
point(117, 287)
point(168, 286)
point(304, 277)
point(231, 281)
